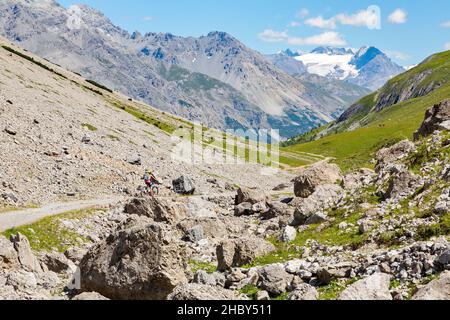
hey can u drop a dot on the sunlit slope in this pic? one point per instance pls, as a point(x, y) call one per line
point(381, 124)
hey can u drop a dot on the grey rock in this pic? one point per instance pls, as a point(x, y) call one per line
point(57, 262)
point(262, 296)
point(89, 296)
point(436, 118)
point(274, 279)
point(194, 234)
point(8, 255)
point(322, 199)
point(157, 209)
point(199, 292)
point(304, 292)
point(243, 209)
point(183, 185)
point(318, 174)
point(139, 263)
point(375, 287)
point(26, 256)
point(250, 196)
point(242, 251)
point(289, 234)
point(438, 289)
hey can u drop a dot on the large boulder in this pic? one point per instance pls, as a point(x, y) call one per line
point(143, 263)
point(57, 262)
point(402, 184)
point(392, 154)
point(8, 255)
point(436, 118)
point(89, 296)
point(318, 174)
point(183, 185)
point(309, 210)
point(159, 210)
point(200, 292)
point(304, 292)
point(438, 289)
point(274, 279)
point(26, 256)
point(375, 287)
point(242, 251)
point(250, 196)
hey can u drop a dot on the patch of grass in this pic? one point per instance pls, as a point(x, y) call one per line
point(354, 149)
point(31, 59)
point(98, 85)
point(334, 289)
point(395, 284)
point(250, 291)
point(425, 232)
point(90, 127)
point(324, 234)
point(281, 297)
point(113, 137)
point(49, 234)
point(13, 209)
point(197, 266)
point(164, 126)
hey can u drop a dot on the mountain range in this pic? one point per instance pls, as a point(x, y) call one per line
point(214, 79)
point(367, 67)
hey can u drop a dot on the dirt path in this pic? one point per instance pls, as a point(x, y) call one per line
point(19, 218)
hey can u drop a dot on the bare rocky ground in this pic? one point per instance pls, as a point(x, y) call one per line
point(320, 234)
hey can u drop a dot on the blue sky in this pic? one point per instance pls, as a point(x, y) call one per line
point(408, 31)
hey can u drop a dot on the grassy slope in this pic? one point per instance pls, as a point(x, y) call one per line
point(354, 149)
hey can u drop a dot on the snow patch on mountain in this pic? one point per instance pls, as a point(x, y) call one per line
point(326, 65)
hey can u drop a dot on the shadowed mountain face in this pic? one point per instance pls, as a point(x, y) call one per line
point(214, 79)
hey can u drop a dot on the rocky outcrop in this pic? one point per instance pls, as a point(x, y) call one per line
point(274, 279)
point(89, 296)
point(8, 255)
point(183, 185)
point(242, 251)
point(252, 197)
point(436, 118)
point(199, 292)
point(304, 292)
point(26, 256)
point(311, 210)
point(392, 154)
point(375, 287)
point(157, 209)
point(438, 289)
point(139, 263)
point(318, 174)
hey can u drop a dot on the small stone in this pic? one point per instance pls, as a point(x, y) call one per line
point(289, 234)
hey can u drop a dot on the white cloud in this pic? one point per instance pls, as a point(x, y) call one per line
point(294, 24)
point(446, 24)
point(329, 38)
point(397, 55)
point(447, 46)
point(363, 18)
point(369, 18)
point(320, 22)
point(270, 35)
point(148, 18)
point(399, 16)
point(302, 13)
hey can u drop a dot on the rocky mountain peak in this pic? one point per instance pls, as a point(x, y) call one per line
point(332, 51)
point(365, 55)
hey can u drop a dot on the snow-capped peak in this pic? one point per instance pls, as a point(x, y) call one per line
point(329, 62)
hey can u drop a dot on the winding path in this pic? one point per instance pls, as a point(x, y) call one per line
point(19, 218)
